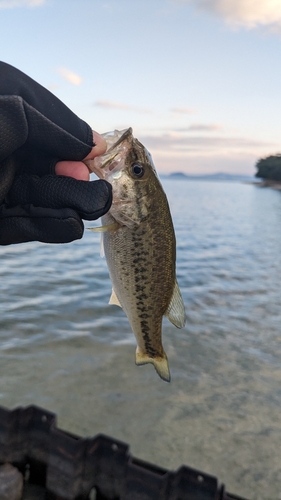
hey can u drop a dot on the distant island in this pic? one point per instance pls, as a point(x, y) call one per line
point(219, 176)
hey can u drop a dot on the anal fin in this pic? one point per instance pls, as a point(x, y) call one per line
point(114, 299)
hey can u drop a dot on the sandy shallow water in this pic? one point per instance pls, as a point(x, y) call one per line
point(63, 348)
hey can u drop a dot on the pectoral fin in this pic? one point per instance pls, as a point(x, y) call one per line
point(175, 312)
point(104, 229)
point(114, 300)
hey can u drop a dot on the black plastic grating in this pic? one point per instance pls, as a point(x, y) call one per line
point(68, 467)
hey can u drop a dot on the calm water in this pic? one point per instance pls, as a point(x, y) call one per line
point(62, 347)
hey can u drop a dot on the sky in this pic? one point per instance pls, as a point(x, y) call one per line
point(199, 81)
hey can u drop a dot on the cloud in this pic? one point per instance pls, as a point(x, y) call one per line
point(184, 111)
point(246, 13)
point(9, 4)
point(68, 75)
point(117, 105)
point(201, 127)
point(176, 151)
point(181, 144)
point(110, 104)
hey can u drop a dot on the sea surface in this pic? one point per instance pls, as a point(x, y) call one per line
point(64, 348)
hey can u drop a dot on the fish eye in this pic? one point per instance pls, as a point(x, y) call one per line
point(137, 170)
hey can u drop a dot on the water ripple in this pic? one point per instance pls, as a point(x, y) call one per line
point(63, 346)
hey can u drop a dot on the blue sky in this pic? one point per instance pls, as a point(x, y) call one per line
point(198, 80)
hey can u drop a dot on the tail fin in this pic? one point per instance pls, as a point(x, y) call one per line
point(160, 364)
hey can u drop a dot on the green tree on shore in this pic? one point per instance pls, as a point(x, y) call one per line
point(269, 168)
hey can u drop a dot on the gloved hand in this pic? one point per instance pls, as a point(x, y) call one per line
point(36, 131)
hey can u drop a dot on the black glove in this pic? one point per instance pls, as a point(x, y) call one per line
point(36, 131)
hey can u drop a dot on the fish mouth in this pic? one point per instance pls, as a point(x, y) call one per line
point(108, 161)
point(98, 167)
point(113, 140)
point(94, 169)
point(118, 137)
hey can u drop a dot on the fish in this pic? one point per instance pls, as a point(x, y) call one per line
point(139, 245)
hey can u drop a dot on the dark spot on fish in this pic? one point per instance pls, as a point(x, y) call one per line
point(137, 260)
point(124, 192)
point(145, 331)
point(141, 309)
point(142, 297)
point(139, 270)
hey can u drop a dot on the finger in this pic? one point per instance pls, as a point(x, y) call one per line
point(35, 161)
point(75, 169)
point(22, 224)
point(99, 148)
point(90, 200)
point(78, 170)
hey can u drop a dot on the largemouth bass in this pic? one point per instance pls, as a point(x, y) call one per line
point(139, 246)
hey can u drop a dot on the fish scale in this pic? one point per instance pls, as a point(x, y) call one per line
point(140, 246)
point(136, 277)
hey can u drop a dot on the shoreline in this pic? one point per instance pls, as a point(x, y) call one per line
point(269, 183)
